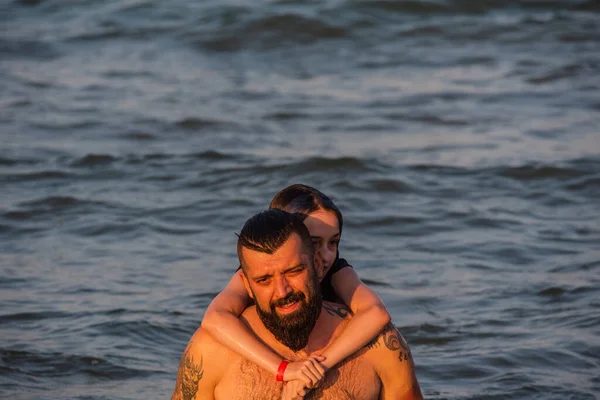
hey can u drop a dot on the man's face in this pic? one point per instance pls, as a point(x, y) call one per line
point(285, 287)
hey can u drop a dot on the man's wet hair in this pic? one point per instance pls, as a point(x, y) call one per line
point(304, 200)
point(268, 230)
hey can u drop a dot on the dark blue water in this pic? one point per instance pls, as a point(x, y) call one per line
point(459, 138)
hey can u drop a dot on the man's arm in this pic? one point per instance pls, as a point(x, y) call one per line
point(393, 362)
point(198, 371)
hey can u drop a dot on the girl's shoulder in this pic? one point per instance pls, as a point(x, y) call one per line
point(338, 265)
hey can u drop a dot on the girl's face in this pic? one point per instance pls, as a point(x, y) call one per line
point(324, 230)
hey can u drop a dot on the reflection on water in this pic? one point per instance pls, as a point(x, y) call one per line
point(458, 138)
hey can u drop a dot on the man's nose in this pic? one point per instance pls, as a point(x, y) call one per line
point(283, 287)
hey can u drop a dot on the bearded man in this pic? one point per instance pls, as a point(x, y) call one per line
point(289, 316)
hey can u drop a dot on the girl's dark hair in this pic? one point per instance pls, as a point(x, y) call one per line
point(304, 200)
point(267, 231)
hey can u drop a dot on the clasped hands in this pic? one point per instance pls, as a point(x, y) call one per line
point(302, 376)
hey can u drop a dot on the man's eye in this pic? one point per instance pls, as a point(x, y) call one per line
point(334, 243)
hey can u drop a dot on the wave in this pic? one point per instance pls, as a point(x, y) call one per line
point(8, 282)
point(15, 48)
point(42, 207)
point(138, 136)
point(55, 202)
point(162, 159)
point(469, 6)
point(346, 164)
point(556, 74)
point(35, 176)
point(398, 224)
point(562, 171)
point(198, 124)
point(143, 333)
point(135, 227)
point(578, 266)
point(33, 316)
point(119, 30)
point(55, 364)
point(227, 28)
point(531, 172)
point(92, 160)
point(256, 168)
point(13, 161)
point(239, 30)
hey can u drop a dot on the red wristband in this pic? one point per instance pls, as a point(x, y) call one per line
point(281, 370)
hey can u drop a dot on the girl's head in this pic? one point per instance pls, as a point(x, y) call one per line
point(322, 218)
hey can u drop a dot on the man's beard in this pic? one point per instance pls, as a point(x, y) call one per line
point(293, 329)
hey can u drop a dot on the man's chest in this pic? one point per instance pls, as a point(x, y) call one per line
point(354, 380)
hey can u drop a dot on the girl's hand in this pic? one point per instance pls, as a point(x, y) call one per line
point(294, 390)
point(309, 371)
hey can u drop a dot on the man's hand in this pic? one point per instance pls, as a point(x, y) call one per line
point(309, 371)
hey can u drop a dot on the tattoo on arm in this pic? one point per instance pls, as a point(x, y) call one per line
point(373, 344)
point(339, 310)
point(394, 341)
point(189, 375)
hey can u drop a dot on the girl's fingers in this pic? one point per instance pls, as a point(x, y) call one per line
point(285, 395)
point(291, 390)
point(305, 379)
point(294, 390)
point(312, 378)
point(321, 369)
point(315, 371)
point(316, 368)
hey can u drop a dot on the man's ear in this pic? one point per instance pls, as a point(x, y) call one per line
point(246, 284)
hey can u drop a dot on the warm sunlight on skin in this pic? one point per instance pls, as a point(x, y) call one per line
point(272, 280)
point(273, 276)
point(325, 234)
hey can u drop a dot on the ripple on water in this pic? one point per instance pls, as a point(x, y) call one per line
point(457, 137)
point(61, 365)
point(93, 160)
point(241, 30)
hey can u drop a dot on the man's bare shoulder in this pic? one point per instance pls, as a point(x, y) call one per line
point(390, 356)
point(390, 343)
point(202, 342)
point(201, 366)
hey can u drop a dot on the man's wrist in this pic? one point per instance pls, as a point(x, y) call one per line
point(281, 370)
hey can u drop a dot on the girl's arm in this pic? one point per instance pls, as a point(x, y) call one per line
point(222, 322)
point(370, 316)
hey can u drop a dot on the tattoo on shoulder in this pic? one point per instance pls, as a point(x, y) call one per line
point(373, 344)
point(189, 375)
point(339, 310)
point(393, 341)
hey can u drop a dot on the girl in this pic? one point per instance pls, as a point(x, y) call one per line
point(339, 282)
